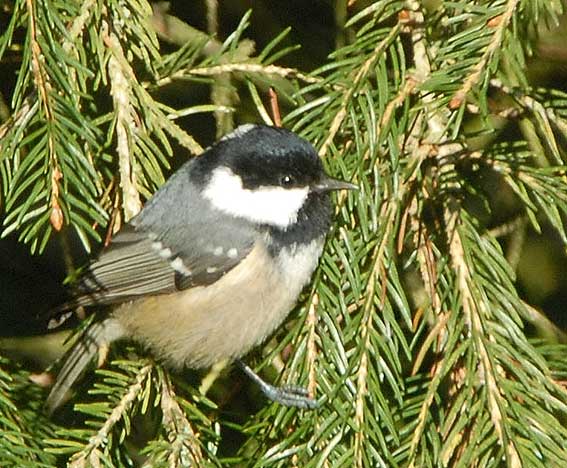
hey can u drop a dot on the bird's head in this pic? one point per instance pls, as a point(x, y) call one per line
point(265, 175)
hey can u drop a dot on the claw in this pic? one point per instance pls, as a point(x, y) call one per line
point(288, 395)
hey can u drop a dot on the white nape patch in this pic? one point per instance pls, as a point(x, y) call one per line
point(218, 251)
point(277, 206)
point(180, 267)
point(238, 132)
point(232, 253)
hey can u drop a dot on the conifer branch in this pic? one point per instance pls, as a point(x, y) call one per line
point(90, 454)
point(119, 74)
point(473, 313)
point(366, 326)
point(500, 23)
point(247, 67)
point(358, 77)
point(185, 449)
point(43, 88)
point(311, 355)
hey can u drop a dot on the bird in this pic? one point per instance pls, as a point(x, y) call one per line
point(213, 263)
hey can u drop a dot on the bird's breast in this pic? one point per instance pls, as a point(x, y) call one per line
point(203, 325)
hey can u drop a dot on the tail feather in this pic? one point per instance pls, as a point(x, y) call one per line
point(79, 357)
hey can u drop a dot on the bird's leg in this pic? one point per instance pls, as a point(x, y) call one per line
point(288, 395)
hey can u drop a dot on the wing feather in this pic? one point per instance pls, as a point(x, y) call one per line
point(177, 241)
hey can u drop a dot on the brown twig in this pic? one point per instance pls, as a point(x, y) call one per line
point(274, 105)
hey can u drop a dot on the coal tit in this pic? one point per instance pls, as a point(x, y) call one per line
point(215, 260)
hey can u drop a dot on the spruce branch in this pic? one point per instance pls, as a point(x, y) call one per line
point(311, 355)
point(544, 115)
point(473, 314)
point(358, 79)
point(252, 68)
point(500, 24)
point(223, 93)
point(23, 425)
point(118, 70)
point(44, 89)
point(91, 454)
point(185, 449)
point(41, 160)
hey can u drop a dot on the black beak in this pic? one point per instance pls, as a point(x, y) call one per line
point(328, 183)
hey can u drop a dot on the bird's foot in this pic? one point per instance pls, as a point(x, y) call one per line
point(287, 395)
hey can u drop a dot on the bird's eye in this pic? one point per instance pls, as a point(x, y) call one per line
point(287, 181)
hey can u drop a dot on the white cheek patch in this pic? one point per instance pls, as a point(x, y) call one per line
point(277, 206)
